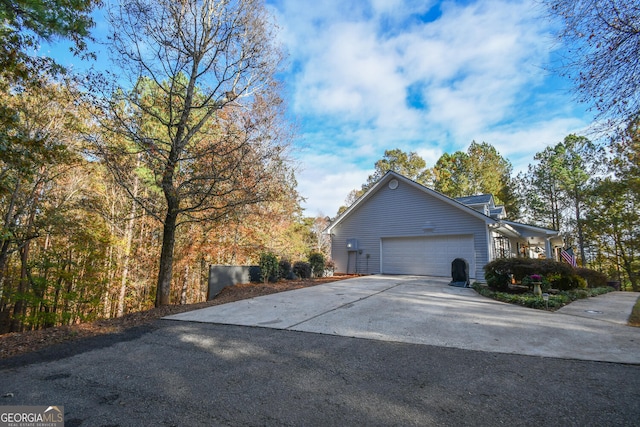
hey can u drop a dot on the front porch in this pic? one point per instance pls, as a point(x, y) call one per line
point(515, 240)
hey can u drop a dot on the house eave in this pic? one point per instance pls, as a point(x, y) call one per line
point(505, 229)
point(539, 230)
point(393, 175)
point(531, 231)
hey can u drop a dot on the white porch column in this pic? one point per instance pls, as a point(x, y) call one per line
point(548, 249)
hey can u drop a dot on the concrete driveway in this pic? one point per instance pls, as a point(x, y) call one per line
point(425, 310)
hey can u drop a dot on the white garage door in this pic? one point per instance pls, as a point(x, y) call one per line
point(428, 256)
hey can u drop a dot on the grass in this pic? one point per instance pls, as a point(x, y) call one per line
point(634, 318)
point(556, 301)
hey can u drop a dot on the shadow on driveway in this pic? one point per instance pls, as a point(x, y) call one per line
point(421, 310)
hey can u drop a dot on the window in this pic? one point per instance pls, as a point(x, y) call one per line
point(502, 247)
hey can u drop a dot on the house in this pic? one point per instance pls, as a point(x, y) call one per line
point(402, 227)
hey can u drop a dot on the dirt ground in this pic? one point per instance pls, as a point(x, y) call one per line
point(13, 344)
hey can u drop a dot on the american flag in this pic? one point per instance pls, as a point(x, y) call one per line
point(568, 256)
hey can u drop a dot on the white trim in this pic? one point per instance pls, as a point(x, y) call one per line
point(542, 230)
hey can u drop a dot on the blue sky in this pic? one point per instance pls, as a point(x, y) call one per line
point(423, 76)
point(365, 76)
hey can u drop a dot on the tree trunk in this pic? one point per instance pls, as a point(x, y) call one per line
point(583, 258)
point(185, 281)
point(163, 292)
point(9, 225)
point(555, 211)
point(128, 235)
point(163, 296)
point(20, 308)
point(69, 280)
point(4, 253)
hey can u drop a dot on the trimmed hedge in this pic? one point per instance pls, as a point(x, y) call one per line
point(285, 268)
point(562, 276)
point(272, 270)
point(595, 279)
point(302, 269)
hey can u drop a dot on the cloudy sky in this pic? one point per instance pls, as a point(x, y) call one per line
point(365, 76)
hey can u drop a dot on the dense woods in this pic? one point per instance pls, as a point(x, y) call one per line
point(77, 246)
point(118, 190)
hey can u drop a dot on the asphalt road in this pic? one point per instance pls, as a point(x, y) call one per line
point(197, 374)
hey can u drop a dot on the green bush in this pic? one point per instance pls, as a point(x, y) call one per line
point(532, 301)
point(497, 280)
point(284, 268)
point(268, 267)
point(566, 283)
point(595, 279)
point(560, 275)
point(317, 262)
point(302, 269)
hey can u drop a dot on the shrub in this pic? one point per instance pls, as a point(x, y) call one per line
point(285, 268)
point(316, 260)
point(559, 274)
point(302, 269)
point(497, 280)
point(330, 267)
point(595, 279)
point(268, 267)
point(533, 301)
point(566, 283)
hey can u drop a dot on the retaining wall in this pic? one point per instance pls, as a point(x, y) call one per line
point(221, 276)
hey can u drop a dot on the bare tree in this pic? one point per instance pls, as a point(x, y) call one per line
point(603, 42)
point(196, 101)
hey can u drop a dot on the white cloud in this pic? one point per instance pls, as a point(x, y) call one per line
point(327, 187)
point(377, 75)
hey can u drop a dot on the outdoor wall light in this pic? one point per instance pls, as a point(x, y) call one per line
point(428, 226)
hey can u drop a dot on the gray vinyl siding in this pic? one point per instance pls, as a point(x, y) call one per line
point(403, 212)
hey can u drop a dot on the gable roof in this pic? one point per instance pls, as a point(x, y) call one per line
point(499, 212)
point(428, 191)
point(509, 228)
point(480, 199)
point(487, 203)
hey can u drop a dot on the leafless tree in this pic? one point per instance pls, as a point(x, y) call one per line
point(603, 42)
point(194, 98)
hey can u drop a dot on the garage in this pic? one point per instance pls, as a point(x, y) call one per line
point(426, 256)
